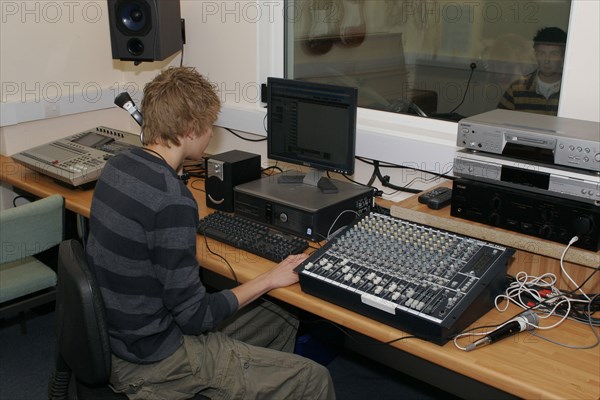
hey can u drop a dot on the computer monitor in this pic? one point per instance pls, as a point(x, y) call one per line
point(313, 125)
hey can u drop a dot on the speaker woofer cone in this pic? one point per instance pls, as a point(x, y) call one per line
point(133, 17)
point(135, 47)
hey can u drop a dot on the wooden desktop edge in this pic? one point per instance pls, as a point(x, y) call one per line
point(523, 365)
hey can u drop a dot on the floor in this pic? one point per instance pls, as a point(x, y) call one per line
point(27, 359)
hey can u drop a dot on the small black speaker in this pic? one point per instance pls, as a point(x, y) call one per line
point(145, 30)
point(225, 171)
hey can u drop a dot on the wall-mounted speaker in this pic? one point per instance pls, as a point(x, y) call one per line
point(145, 30)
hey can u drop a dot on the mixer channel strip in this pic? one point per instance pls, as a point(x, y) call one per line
point(251, 236)
point(429, 282)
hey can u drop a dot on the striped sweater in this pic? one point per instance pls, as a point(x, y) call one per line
point(142, 249)
point(522, 96)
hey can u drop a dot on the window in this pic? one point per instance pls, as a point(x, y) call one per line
point(437, 58)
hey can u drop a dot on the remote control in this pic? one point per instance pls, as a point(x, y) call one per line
point(441, 200)
point(424, 198)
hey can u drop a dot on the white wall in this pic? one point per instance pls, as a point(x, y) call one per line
point(63, 47)
point(56, 63)
point(580, 91)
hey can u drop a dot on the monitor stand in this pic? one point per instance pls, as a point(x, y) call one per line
point(312, 177)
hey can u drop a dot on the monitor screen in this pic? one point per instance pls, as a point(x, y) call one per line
point(312, 124)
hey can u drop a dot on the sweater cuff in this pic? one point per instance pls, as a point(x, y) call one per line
point(231, 300)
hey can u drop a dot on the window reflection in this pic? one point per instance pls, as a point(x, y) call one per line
point(439, 58)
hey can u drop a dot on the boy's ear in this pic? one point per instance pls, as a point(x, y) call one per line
point(190, 134)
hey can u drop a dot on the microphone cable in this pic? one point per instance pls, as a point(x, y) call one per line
point(472, 66)
point(543, 302)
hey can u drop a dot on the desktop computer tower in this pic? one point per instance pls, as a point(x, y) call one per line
point(226, 170)
point(301, 209)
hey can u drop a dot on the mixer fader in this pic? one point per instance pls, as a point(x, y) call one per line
point(423, 280)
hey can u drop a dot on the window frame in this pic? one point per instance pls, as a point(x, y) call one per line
point(408, 140)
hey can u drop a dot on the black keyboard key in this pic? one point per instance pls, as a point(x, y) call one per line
point(250, 236)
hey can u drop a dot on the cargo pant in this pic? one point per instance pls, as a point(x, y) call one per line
point(248, 358)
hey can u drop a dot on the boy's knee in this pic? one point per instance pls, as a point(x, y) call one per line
point(321, 381)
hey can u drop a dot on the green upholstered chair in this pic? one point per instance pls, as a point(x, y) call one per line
point(27, 230)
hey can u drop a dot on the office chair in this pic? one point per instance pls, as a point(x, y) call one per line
point(25, 231)
point(83, 361)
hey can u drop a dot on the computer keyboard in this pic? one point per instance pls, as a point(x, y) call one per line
point(251, 236)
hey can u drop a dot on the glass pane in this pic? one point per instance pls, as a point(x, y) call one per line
point(437, 58)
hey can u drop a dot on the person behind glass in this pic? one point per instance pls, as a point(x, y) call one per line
point(170, 337)
point(539, 91)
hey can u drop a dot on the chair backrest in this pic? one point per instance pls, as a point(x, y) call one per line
point(31, 228)
point(81, 330)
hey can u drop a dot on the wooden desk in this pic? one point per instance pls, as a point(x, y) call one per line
point(14, 174)
point(522, 366)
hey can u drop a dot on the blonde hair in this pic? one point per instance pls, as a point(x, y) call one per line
point(176, 102)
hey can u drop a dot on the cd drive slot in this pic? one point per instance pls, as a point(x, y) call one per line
point(531, 140)
point(519, 176)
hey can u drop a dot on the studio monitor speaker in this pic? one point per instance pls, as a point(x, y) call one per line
point(225, 171)
point(144, 30)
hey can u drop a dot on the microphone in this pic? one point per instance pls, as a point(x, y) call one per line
point(452, 115)
point(525, 321)
point(124, 101)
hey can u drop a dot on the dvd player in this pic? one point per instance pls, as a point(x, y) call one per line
point(533, 137)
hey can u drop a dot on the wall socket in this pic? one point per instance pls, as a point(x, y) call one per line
point(52, 110)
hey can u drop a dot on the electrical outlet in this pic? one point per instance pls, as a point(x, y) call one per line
point(52, 110)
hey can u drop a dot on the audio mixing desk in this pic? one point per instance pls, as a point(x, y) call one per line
point(420, 279)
